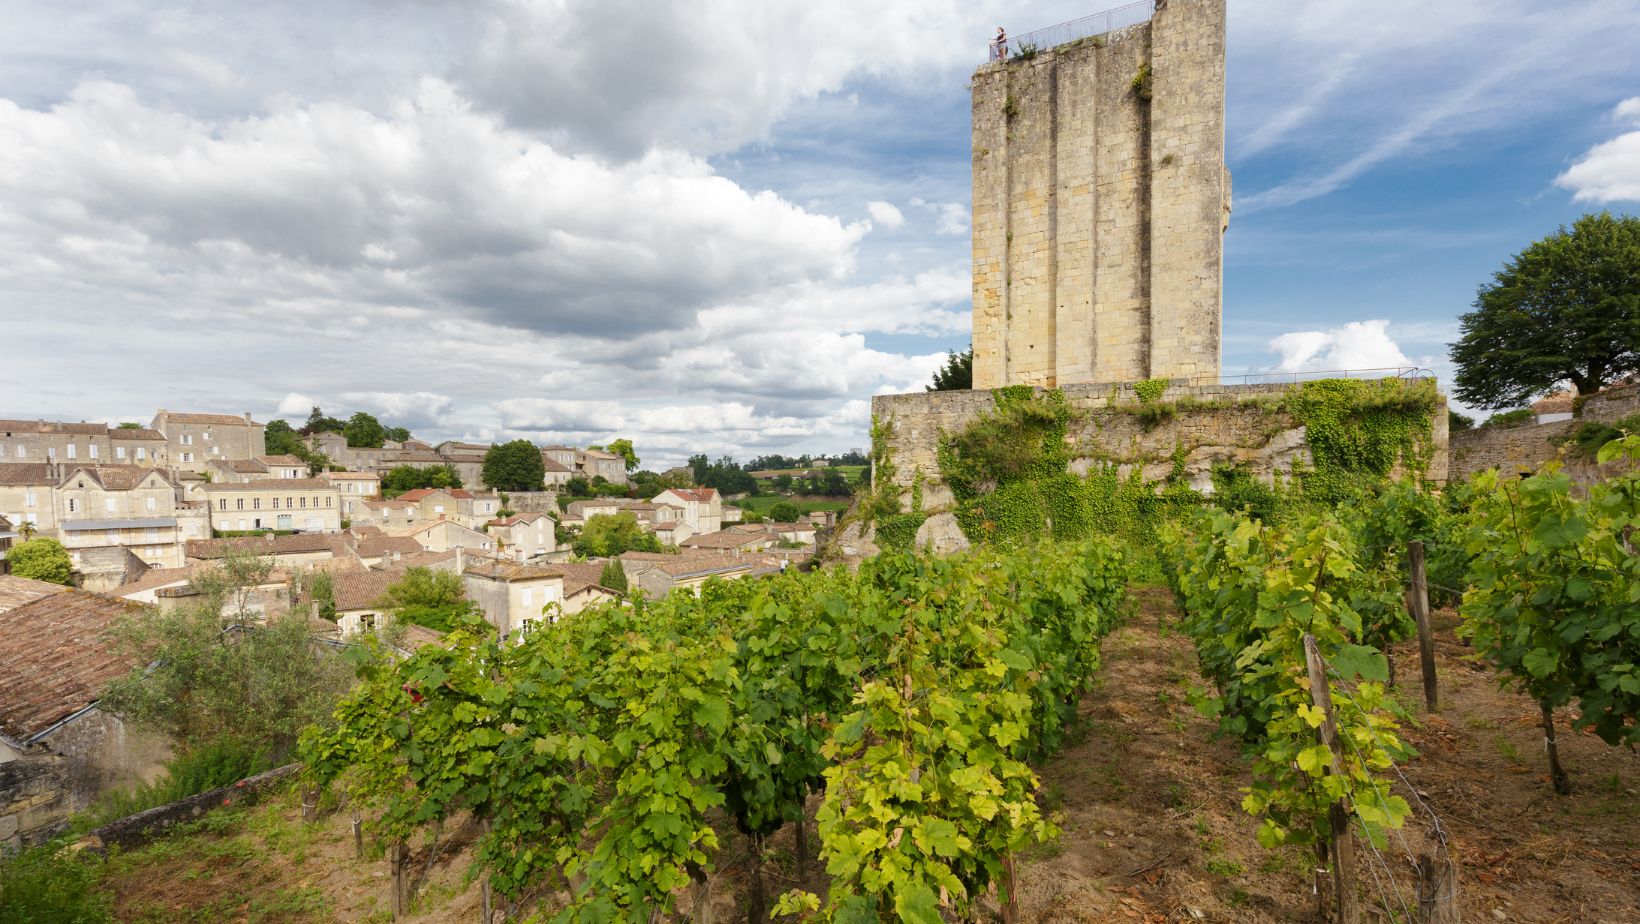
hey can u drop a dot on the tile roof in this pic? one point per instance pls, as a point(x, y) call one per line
point(222, 419)
point(572, 588)
point(424, 559)
point(25, 473)
point(553, 465)
point(274, 484)
point(1561, 402)
point(503, 570)
point(418, 637)
point(726, 539)
point(587, 572)
point(695, 565)
point(155, 578)
point(361, 589)
point(242, 466)
point(350, 476)
point(16, 591)
point(295, 544)
point(135, 433)
point(285, 459)
point(517, 519)
point(53, 426)
point(391, 504)
point(116, 477)
point(698, 495)
point(376, 547)
point(58, 658)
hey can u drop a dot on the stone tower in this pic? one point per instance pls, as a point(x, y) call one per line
point(1100, 204)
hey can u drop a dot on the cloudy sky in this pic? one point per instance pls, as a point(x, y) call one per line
point(717, 226)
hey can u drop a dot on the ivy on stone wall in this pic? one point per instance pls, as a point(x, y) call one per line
point(1008, 470)
point(1359, 430)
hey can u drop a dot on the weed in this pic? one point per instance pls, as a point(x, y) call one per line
point(1220, 866)
point(1142, 83)
point(1052, 797)
point(1027, 51)
point(1010, 107)
point(1508, 751)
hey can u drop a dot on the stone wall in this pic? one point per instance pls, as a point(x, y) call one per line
point(1523, 449)
point(33, 801)
point(533, 502)
point(1098, 214)
point(1241, 425)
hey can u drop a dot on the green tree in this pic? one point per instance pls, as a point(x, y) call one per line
point(783, 483)
point(402, 478)
point(613, 576)
point(127, 425)
point(612, 535)
point(282, 440)
point(1565, 309)
point(259, 685)
point(364, 432)
point(397, 434)
point(785, 512)
point(435, 599)
point(319, 422)
point(43, 560)
point(514, 466)
point(623, 448)
point(957, 374)
point(1457, 423)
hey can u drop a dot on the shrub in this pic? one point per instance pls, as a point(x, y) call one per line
point(1519, 417)
point(48, 884)
point(220, 763)
point(1141, 82)
point(785, 512)
point(42, 560)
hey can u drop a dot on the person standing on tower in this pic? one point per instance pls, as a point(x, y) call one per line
point(1000, 47)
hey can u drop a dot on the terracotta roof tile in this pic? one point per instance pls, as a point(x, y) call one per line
point(58, 658)
point(296, 544)
point(220, 419)
point(135, 433)
point(361, 589)
point(504, 570)
point(274, 484)
point(16, 591)
point(25, 473)
point(53, 426)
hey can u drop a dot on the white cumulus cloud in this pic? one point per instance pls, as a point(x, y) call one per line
point(1609, 171)
point(885, 214)
point(1355, 345)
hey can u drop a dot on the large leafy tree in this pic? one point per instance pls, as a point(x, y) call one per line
point(514, 466)
point(43, 560)
point(1565, 309)
point(319, 422)
point(623, 448)
point(282, 440)
point(435, 599)
point(957, 374)
point(402, 478)
point(612, 535)
point(364, 431)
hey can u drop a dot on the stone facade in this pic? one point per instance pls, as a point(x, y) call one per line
point(1211, 425)
point(192, 440)
point(1098, 214)
point(308, 504)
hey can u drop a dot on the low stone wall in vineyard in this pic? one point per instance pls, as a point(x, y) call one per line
point(1523, 449)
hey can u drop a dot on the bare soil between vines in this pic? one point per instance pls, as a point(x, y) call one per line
point(1148, 800)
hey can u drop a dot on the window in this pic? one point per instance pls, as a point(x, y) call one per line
point(72, 505)
point(151, 537)
point(51, 453)
point(119, 452)
point(110, 504)
point(187, 439)
point(222, 504)
point(151, 503)
point(207, 436)
point(290, 503)
point(215, 450)
point(28, 497)
point(327, 501)
point(22, 451)
point(438, 508)
point(529, 596)
point(141, 453)
point(239, 503)
point(304, 503)
point(187, 457)
point(92, 451)
point(71, 449)
point(256, 503)
point(276, 503)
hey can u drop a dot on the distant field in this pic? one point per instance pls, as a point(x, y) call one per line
point(762, 503)
point(852, 472)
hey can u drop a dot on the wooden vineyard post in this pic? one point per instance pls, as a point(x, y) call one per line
point(1342, 848)
point(358, 837)
point(1418, 597)
point(1437, 890)
point(1010, 886)
point(398, 858)
point(310, 804)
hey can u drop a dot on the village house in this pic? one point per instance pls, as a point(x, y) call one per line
point(261, 468)
point(306, 504)
point(58, 751)
point(466, 458)
point(354, 487)
point(7, 537)
point(444, 535)
point(283, 551)
point(54, 441)
point(557, 473)
point(581, 587)
point(587, 463)
point(458, 504)
point(510, 594)
point(659, 574)
point(525, 535)
point(358, 596)
point(702, 507)
point(139, 446)
point(26, 496)
point(384, 513)
point(579, 512)
point(194, 439)
point(118, 506)
point(672, 532)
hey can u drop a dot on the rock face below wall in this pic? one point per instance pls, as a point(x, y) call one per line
point(1211, 424)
